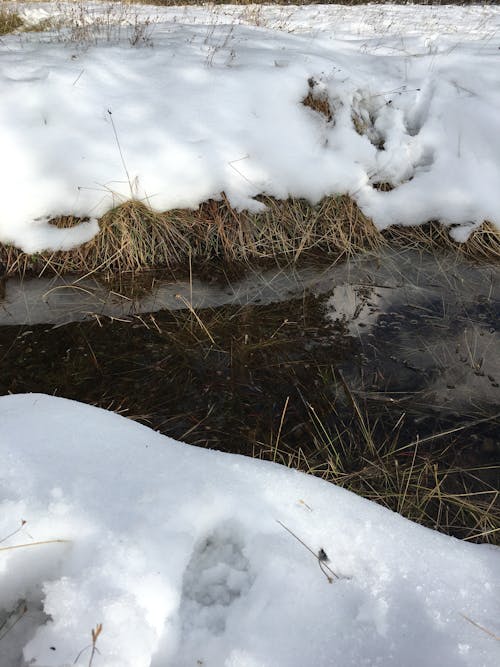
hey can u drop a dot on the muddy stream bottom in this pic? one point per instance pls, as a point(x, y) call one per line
point(381, 374)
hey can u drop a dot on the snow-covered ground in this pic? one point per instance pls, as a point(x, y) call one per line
point(209, 100)
point(184, 556)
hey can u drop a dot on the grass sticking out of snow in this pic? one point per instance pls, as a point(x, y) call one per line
point(13, 21)
point(79, 24)
point(135, 237)
point(483, 244)
point(317, 100)
point(166, 3)
point(9, 20)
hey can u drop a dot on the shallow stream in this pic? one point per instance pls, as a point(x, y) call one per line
point(284, 363)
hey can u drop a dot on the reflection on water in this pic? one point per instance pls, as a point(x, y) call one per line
point(424, 323)
point(63, 300)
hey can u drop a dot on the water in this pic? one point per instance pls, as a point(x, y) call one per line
point(401, 348)
point(62, 300)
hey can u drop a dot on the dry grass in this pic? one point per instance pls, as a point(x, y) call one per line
point(9, 20)
point(135, 237)
point(167, 3)
point(416, 486)
point(317, 100)
point(483, 244)
point(415, 480)
point(78, 23)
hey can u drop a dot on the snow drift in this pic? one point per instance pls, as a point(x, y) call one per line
point(212, 102)
point(178, 552)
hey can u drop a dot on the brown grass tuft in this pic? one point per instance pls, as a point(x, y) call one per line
point(298, 2)
point(9, 21)
point(135, 237)
point(483, 244)
point(317, 100)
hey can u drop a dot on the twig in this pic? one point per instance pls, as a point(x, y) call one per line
point(95, 634)
point(488, 632)
point(321, 556)
point(189, 306)
point(121, 153)
point(22, 609)
point(4, 539)
point(283, 413)
point(33, 544)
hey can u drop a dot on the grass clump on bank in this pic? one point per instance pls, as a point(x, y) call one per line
point(135, 237)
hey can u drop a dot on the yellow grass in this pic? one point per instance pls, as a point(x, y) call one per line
point(135, 237)
point(9, 20)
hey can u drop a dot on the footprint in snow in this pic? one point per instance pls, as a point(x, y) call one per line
point(217, 574)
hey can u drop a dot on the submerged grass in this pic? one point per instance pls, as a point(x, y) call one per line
point(134, 237)
point(428, 485)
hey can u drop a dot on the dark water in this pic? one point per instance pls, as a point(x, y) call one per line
point(393, 350)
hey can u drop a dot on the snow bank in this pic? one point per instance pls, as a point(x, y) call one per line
point(211, 102)
point(178, 552)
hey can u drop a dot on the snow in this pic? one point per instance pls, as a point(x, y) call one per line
point(179, 553)
point(209, 101)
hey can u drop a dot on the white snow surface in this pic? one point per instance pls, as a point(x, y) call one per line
point(178, 552)
point(209, 101)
